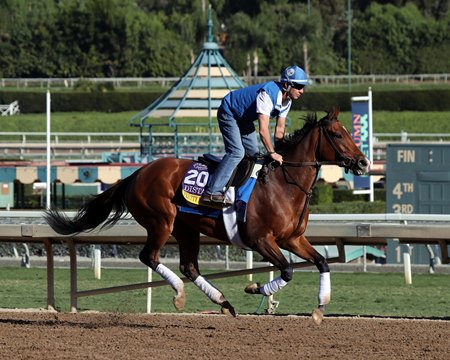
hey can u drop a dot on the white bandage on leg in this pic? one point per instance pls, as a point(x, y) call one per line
point(324, 288)
point(204, 285)
point(273, 286)
point(170, 277)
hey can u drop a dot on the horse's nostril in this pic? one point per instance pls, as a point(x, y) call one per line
point(363, 163)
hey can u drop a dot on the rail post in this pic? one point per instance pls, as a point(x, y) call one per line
point(407, 264)
point(50, 275)
point(73, 276)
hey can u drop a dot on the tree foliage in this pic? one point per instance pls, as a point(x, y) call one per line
point(119, 38)
point(401, 40)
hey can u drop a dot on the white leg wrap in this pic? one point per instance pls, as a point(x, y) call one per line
point(170, 277)
point(324, 288)
point(273, 286)
point(204, 285)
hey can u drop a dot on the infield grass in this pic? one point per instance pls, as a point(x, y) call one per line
point(377, 294)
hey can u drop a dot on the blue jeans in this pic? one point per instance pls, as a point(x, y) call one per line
point(239, 139)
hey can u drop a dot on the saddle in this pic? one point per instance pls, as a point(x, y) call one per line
point(239, 176)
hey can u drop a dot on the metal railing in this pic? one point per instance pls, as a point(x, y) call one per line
point(92, 146)
point(329, 80)
point(62, 137)
point(404, 136)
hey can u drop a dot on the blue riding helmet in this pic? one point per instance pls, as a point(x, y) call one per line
point(294, 75)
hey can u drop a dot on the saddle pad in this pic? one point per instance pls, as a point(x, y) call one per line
point(194, 182)
point(193, 187)
point(230, 221)
point(229, 215)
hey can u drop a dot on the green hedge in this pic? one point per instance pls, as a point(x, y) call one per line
point(411, 100)
point(347, 195)
point(117, 101)
point(322, 194)
point(327, 200)
point(350, 207)
point(326, 194)
point(34, 102)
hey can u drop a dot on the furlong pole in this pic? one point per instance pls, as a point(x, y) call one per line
point(48, 187)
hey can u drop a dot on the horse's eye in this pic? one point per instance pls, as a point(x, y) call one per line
point(338, 135)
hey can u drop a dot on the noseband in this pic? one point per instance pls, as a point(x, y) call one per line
point(346, 162)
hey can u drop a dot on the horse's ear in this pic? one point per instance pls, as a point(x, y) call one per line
point(334, 112)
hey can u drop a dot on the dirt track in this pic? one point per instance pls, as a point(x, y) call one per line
point(44, 335)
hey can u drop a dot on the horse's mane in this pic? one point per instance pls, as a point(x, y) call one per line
point(292, 139)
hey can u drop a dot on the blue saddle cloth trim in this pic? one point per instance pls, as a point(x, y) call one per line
point(244, 192)
point(201, 210)
point(242, 197)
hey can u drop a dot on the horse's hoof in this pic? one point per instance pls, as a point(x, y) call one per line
point(317, 316)
point(252, 288)
point(179, 300)
point(227, 309)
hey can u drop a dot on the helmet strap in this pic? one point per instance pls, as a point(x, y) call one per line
point(288, 87)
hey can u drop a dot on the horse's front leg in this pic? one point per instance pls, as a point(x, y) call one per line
point(301, 247)
point(272, 253)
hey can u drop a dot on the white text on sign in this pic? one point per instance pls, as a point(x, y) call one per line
point(401, 188)
point(406, 156)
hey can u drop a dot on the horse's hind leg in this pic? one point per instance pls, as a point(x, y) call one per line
point(189, 244)
point(149, 255)
point(301, 247)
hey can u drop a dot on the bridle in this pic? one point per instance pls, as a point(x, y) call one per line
point(346, 163)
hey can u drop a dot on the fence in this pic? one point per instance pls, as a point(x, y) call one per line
point(98, 146)
point(10, 109)
point(66, 146)
point(339, 230)
point(328, 80)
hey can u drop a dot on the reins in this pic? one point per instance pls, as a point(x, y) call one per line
point(312, 163)
point(317, 164)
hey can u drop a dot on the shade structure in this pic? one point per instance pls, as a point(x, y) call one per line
point(197, 94)
point(195, 98)
point(199, 91)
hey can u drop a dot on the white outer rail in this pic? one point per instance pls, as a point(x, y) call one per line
point(329, 229)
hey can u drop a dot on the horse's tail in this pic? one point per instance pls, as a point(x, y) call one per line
point(94, 212)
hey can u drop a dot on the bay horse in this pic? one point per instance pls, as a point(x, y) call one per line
point(277, 212)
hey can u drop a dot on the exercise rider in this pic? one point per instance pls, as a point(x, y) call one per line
point(236, 115)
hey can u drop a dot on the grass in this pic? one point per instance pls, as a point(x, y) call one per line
point(372, 294)
point(383, 122)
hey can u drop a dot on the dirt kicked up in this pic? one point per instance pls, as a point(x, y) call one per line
point(46, 335)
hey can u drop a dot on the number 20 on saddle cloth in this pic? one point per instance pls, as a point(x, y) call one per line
point(238, 192)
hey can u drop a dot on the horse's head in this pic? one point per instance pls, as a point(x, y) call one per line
point(336, 144)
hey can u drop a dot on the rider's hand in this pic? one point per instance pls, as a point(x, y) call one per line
point(277, 157)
